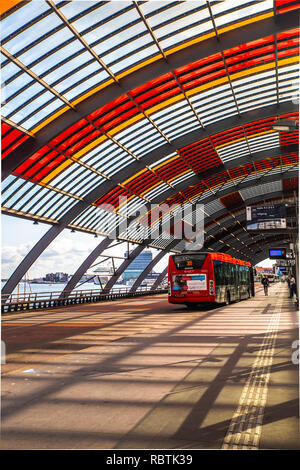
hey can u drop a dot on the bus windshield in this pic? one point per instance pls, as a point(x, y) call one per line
point(189, 261)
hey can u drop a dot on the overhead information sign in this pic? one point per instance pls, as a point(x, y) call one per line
point(266, 217)
point(277, 253)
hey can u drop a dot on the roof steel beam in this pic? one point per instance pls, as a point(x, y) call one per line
point(39, 247)
point(30, 146)
point(123, 266)
point(247, 184)
point(259, 198)
point(55, 230)
point(193, 53)
point(85, 266)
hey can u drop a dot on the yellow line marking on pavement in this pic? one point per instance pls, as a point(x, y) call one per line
point(246, 425)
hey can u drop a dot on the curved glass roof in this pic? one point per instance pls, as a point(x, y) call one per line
point(165, 102)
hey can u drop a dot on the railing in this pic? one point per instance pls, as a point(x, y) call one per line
point(43, 300)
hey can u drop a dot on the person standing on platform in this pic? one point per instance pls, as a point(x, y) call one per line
point(265, 283)
point(292, 287)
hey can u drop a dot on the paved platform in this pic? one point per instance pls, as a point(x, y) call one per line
point(143, 374)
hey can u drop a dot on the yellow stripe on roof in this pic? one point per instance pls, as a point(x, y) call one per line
point(125, 124)
point(134, 176)
point(243, 138)
point(245, 22)
point(6, 5)
point(190, 43)
point(49, 119)
point(89, 147)
point(151, 187)
point(179, 174)
point(56, 172)
point(92, 92)
point(139, 66)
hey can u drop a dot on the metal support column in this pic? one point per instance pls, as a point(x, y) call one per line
point(123, 266)
point(151, 265)
point(160, 278)
point(40, 246)
point(85, 266)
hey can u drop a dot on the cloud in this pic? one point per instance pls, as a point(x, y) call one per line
point(65, 254)
point(62, 255)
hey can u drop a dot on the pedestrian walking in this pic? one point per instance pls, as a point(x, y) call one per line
point(293, 289)
point(265, 283)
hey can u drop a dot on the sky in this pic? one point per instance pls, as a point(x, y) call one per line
point(64, 254)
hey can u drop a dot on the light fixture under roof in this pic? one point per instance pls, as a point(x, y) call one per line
point(285, 125)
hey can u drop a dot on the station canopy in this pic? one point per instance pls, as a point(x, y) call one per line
point(159, 102)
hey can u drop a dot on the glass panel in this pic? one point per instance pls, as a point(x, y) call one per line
point(31, 106)
point(76, 77)
point(7, 200)
point(52, 59)
point(15, 85)
point(254, 9)
point(63, 208)
point(129, 48)
point(64, 69)
point(33, 203)
point(15, 21)
point(186, 35)
point(145, 150)
point(106, 10)
point(182, 131)
point(134, 58)
point(29, 192)
point(149, 7)
point(52, 207)
point(10, 70)
point(41, 115)
point(33, 33)
point(115, 40)
point(147, 134)
point(186, 21)
point(24, 97)
point(72, 9)
point(88, 84)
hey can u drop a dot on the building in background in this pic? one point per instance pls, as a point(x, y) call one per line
point(56, 277)
point(137, 266)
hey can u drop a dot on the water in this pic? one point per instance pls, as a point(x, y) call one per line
point(40, 288)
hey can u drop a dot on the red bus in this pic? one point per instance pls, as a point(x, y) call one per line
point(196, 277)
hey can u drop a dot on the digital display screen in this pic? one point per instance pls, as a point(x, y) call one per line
point(266, 217)
point(277, 253)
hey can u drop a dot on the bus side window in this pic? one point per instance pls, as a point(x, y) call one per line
point(226, 273)
point(217, 269)
point(232, 274)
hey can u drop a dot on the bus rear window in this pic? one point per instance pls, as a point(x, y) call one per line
point(189, 261)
